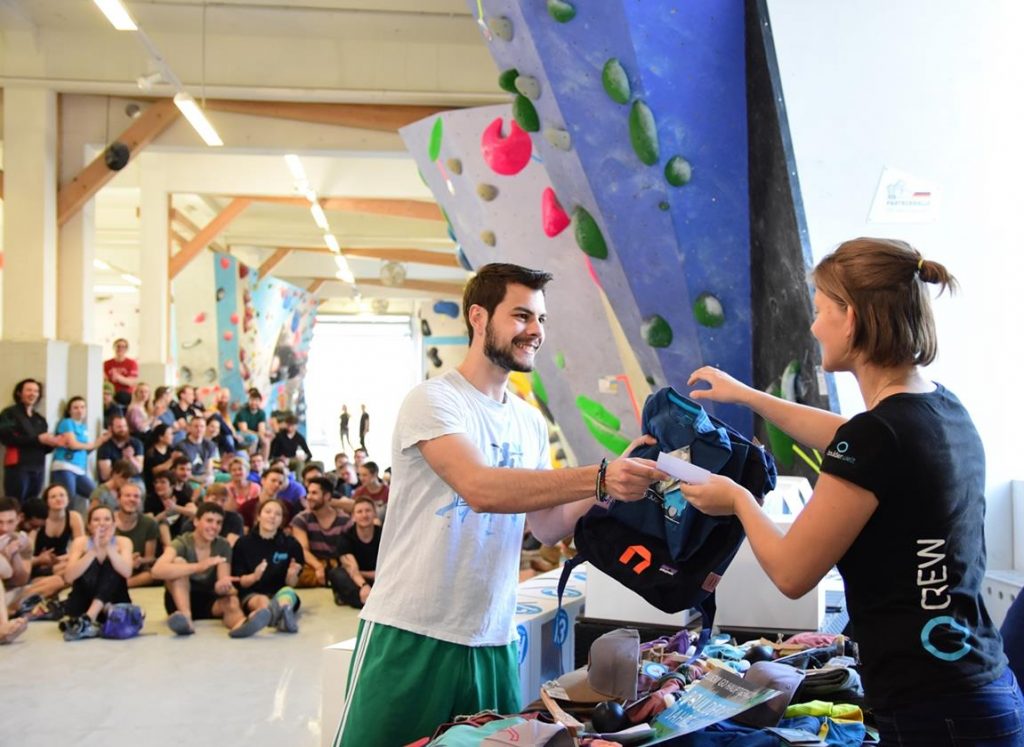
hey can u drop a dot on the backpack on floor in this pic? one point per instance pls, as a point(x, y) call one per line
point(660, 547)
point(123, 620)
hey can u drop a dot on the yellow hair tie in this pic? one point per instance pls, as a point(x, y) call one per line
point(920, 263)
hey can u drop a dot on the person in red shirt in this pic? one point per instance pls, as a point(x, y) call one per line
point(370, 486)
point(122, 372)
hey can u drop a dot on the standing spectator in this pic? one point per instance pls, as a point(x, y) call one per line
point(359, 548)
point(318, 530)
point(199, 450)
point(141, 529)
point(370, 486)
point(251, 424)
point(197, 570)
point(140, 412)
point(160, 455)
point(364, 428)
point(70, 466)
point(267, 563)
point(122, 372)
point(23, 432)
point(288, 441)
point(98, 569)
point(120, 445)
point(343, 425)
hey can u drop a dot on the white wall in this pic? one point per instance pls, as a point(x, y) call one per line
point(931, 87)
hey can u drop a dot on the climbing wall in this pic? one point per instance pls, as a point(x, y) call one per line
point(638, 113)
point(443, 335)
point(485, 173)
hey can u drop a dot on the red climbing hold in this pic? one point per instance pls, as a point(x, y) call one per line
point(506, 155)
point(225, 262)
point(553, 216)
point(234, 318)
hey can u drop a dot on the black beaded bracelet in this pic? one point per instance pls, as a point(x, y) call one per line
point(599, 492)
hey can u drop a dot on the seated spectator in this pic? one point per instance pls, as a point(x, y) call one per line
point(340, 476)
point(359, 549)
point(174, 499)
point(385, 477)
point(98, 569)
point(240, 489)
point(121, 372)
point(186, 407)
point(159, 456)
point(162, 408)
point(9, 629)
point(256, 465)
point(50, 544)
point(106, 493)
point(289, 442)
point(273, 480)
point(197, 570)
point(120, 445)
point(251, 424)
point(70, 466)
point(141, 530)
point(292, 493)
point(227, 440)
point(15, 553)
point(319, 531)
point(311, 470)
point(267, 563)
point(222, 442)
point(139, 414)
point(23, 431)
point(359, 457)
point(371, 487)
point(111, 409)
point(199, 450)
point(232, 527)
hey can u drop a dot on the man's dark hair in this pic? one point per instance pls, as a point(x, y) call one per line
point(291, 419)
point(9, 504)
point(372, 467)
point(21, 385)
point(254, 393)
point(161, 476)
point(312, 467)
point(36, 508)
point(276, 471)
point(180, 460)
point(124, 468)
point(209, 507)
point(487, 288)
point(324, 483)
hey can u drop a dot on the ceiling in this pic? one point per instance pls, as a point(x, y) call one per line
point(375, 52)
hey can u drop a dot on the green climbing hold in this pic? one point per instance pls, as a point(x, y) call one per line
point(488, 238)
point(525, 114)
point(507, 80)
point(588, 235)
point(538, 388)
point(663, 205)
point(643, 133)
point(603, 425)
point(709, 310)
point(501, 27)
point(561, 11)
point(558, 137)
point(435, 139)
point(486, 192)
point(560, 360)
point(616, 82)
point(454, 165)
point(656, 332)
point(678, 171)
point(528, 86)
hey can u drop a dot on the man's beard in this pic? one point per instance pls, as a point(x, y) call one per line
point(503, 356)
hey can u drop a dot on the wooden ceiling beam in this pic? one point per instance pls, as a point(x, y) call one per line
point(383, 117)
point(433, 287)
point(156, 118)
point(316, 285)
point(410, 256)
point(206, 235)
point(392, 208)
point(176, 216)
point(273, 261)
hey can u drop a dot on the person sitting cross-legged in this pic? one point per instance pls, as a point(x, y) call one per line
point(319, 530)
point(196, 568)
point(99, 565)
point(359, 548)
point(267, 563)
point(141, 530)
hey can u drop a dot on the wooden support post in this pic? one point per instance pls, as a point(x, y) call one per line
point(316, 285)
point(394, 208)
point(273, 261)
point(383, 117)
point(151, 123)
point(208, 233)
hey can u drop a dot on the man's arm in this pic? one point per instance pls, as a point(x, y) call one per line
point(502, 490)
point(103, 469)
point(307, 555)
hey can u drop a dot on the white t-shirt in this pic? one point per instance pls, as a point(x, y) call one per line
point(445, 571)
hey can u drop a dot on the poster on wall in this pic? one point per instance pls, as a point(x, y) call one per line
point(903, 198)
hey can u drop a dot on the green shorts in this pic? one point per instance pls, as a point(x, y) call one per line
point(402, 686)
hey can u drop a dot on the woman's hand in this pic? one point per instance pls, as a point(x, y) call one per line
point(724, 388)
point(259, 570)
point(719, 496)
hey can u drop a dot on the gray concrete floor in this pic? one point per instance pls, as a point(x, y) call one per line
point(160, 690)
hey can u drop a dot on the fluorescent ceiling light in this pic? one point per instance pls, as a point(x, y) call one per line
point(99, 264)
point(197, 119)
point(130, 278)
point(295, 166)
point(117, 14)
point(319, 217)
point(332, 243)
point(121, 289)
point(344, 272)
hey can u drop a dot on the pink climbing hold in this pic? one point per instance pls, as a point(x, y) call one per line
point(225, 262)
point(200, 317)
point(229, 335)
point(506, 155)
point(234, 318)
point(229, 364)
point(553, 216)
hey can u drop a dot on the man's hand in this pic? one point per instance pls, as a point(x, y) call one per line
point(210, 562)
point(136, 561)
point(127, 452)
point(321, 576)
point(47, 557)
point(225, 586)
point(627, 478)
point(364, 593)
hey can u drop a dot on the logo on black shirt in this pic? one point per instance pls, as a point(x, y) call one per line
point(840, 453)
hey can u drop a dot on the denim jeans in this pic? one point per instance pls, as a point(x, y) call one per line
point(22, 483)
point(79, 488)
point(988, 716)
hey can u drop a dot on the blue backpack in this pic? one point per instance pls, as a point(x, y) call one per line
point(660, 547)
point(124, 620)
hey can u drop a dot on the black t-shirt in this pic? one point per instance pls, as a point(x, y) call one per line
point(112, 452)
point(365, 552)
point(252, 549)
point(154, 459)
point(913, 576)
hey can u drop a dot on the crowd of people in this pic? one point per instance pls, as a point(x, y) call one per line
point(222, 506)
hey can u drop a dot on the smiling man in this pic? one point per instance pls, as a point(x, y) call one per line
point(469, 461)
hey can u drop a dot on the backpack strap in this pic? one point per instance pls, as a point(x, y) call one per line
point(707, 608)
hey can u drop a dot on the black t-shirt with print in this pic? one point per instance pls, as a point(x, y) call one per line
point(279, 551)
point(913, 576)
point(365, 553)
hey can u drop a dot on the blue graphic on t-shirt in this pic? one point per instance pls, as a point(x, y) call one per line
point(279, 557)
point(505, 456)
point(930, 647)
point(458, 504)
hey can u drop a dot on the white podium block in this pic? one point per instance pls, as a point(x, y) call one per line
point(337, 661)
